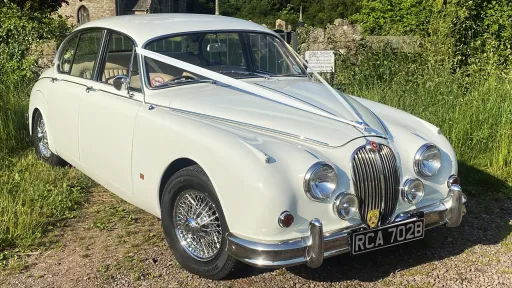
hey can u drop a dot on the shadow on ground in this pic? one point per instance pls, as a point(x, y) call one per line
point(486, 223)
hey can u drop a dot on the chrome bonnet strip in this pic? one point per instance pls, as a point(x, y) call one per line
point(247, 125)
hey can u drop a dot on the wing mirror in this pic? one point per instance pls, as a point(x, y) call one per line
point(121, 83)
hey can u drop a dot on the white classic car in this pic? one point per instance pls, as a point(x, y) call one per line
point(217, 127)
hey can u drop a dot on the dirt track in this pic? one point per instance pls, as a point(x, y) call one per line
point(115, 244)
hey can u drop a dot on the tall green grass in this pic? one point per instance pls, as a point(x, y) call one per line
point(473, 111)
point(33, 196)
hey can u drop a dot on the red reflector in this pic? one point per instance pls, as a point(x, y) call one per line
point(285, 220)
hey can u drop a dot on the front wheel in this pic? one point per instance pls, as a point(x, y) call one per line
point(40, 141)
point(194, 224)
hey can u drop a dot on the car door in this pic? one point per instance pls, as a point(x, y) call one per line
point(107, 115)
point(75, 63)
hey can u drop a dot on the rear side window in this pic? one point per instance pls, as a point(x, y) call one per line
point(67, 55)
point(86, 56)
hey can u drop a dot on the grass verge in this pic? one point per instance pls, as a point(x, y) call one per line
point(34, 197)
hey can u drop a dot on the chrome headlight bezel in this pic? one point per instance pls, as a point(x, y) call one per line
point(313, 193)
point(407, 188)
point(419, 168)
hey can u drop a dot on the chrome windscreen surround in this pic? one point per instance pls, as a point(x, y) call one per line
point(376, 181)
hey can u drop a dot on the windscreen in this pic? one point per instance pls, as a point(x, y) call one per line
point(234, 54)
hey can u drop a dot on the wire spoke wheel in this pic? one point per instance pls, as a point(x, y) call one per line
point(197, 225)
point(42, 139)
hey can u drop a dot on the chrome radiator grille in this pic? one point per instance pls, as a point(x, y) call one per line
point(376, 181)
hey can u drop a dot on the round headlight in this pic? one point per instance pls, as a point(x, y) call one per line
point(345, 205)
point(412, 191)
point(320, 181)
point(427, 160)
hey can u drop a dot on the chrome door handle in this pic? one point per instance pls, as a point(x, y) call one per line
point(90, 89)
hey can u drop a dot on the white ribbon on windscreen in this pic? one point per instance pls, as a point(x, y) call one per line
point(252, 89)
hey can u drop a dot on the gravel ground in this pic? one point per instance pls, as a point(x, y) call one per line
point(113, 244)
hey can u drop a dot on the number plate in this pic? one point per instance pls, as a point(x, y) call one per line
point(387, 236)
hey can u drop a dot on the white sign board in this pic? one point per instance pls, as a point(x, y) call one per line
point(320, 61)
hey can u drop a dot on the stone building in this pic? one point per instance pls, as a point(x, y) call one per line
point(82, 11)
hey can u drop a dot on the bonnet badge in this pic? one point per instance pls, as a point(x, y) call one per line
point(371, 145)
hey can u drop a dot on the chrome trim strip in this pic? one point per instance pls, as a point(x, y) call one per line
point(238, 123)
point(95, 89)
point(316, 246)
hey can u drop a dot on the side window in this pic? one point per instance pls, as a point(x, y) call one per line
point(67, 52)
point(86, 56)
point(119, 57)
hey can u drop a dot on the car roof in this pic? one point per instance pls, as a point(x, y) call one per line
point(148, 26)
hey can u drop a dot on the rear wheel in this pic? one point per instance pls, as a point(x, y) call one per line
point(194, 224)
point(40, 141)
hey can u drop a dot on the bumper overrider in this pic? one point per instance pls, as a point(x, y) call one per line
point(312, 249)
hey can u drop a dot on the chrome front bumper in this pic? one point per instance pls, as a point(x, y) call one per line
point(312, 249)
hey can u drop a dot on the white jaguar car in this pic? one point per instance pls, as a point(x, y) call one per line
point(220, 129)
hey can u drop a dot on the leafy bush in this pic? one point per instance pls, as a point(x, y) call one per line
point(479, 33)
point(317, 13)
point(23, 30)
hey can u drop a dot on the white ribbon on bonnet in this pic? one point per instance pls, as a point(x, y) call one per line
point(253, 89)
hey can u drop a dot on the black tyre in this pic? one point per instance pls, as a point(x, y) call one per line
point(194, 224)
point(40, 141)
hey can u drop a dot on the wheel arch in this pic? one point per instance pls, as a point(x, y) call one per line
point(175, 166)
point(38, 104)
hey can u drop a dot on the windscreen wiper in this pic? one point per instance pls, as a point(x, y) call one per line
point(244, 73)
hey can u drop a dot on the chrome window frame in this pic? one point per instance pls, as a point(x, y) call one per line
point(101, 52)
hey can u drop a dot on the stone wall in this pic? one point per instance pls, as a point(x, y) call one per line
point(343, 36)
point(97, 9)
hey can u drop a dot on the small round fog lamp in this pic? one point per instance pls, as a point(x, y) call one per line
point(412, 191)
point(345, 206)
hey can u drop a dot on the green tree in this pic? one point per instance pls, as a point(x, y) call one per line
point(24, 27)
point(477, 35)
point(317, 13)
